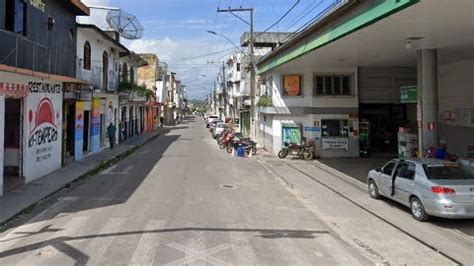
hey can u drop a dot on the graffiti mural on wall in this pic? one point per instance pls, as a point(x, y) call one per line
point(95, 128)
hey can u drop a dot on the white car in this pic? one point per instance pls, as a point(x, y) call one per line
point(429, 187)
point(211, 119)
point(218, 129)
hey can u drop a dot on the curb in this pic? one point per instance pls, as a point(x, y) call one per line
point(97, 168)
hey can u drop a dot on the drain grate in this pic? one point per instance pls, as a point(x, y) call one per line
point(228, 186)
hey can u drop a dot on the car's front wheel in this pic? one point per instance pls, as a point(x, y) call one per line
point(418, 210)
point(373, 190)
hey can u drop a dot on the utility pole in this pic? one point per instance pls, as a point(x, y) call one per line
point(252, 58)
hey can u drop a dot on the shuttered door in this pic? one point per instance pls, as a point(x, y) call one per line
point(382, 85)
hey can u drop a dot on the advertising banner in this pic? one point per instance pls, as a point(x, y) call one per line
point(292, 85)
point(292, 135)
point(335, 144)
point(95, 124)
point(79, 131)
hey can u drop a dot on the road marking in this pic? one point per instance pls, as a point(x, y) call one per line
point(123, 172)
point(148, 244)
point(243, 251)
point(99, 245)
point(193, 255)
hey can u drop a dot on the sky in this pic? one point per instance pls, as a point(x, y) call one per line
point(176, 31)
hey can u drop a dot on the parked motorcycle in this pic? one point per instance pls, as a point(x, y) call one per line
point(249, 145)
point(301, 151)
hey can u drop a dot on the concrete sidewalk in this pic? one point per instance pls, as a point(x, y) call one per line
point(342, 201)
point(18, 200)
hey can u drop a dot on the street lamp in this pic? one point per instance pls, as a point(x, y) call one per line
point(225, 37)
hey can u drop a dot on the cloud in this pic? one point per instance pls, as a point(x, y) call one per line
point(197, 74)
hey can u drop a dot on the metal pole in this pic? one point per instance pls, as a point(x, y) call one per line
point(252, 76)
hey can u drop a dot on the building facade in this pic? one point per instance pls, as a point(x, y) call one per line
point(370, 84)
point(37, 52)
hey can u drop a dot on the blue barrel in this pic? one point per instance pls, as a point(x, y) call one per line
point(240, 151)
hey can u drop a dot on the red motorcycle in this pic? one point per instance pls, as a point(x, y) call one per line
point(301, 151)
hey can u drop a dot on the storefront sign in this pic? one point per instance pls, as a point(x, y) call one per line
point(39, 4)
point(13, 90)
point(79, 131)
point(95, 125)
point(335, 144)
point(43, 126)
point(312, 129)
point(292, 85)
point(408, 94)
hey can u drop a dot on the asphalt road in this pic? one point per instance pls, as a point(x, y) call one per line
point(178, 200)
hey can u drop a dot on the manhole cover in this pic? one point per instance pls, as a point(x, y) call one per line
point(47, 252)
point(228, 186)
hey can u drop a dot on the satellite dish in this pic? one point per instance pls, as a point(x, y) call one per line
point(127, 25)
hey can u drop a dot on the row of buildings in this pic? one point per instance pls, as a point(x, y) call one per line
point(62, 83)
point(381, 74)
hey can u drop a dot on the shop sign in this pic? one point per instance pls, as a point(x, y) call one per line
point(39, 4)
point(292, 85)
point(43, 128)
point(335, 144)
point(312, 129)
point(408, 94)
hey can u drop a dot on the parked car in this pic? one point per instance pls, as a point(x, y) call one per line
point(210, 119)
point(430, 187)
point(218, 129)
point(213, 124)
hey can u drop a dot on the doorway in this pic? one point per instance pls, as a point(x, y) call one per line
point(12, 176)
point(70, 128)
point(85, 144)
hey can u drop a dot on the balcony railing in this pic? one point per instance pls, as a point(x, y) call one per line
point(94, 76)
point(18, 51)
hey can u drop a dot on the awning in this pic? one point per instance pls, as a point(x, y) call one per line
point(31, 73)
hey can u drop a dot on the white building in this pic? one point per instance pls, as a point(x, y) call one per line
point(98, 54)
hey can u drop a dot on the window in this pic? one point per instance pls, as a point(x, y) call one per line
point(387, 169)
point(405, 170)
point(16, 16)
point(332, 84)
point(132, 75)
point(87, 56)
point(125, 72)
point(238, 66)
point(334, 128)
point(447, 171)
point(105, 70)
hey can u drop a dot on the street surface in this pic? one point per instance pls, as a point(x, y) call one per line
point(181, 200)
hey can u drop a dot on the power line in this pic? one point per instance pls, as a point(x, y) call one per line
point(303, 14)
point(280, 19)
point(318, 17)
point(199, 56)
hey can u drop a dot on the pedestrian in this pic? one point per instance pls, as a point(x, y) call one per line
point(162, 120)
point(111, 132)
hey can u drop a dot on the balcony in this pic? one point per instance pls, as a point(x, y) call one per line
point(17, 51)
point(94, 76)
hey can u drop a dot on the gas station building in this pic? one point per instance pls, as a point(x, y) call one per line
point(385, 68)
